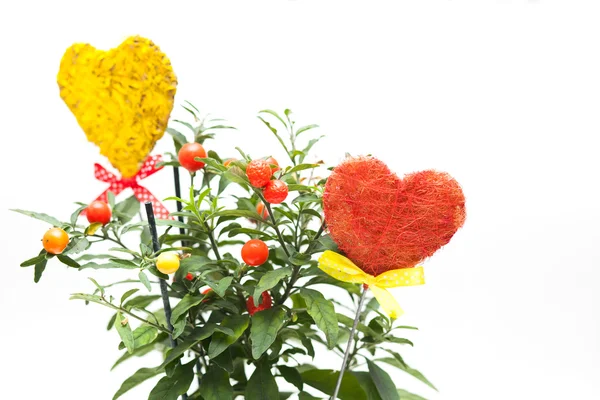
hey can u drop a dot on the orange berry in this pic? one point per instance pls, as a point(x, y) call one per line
point(187, 155)
point(229, 161)
point(255, 252)
point(275, 192)
point(55, 240)
point(258, 172)
point(262, 210)
point(98, 211)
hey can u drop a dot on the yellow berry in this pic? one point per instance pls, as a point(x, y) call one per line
point(167, 263)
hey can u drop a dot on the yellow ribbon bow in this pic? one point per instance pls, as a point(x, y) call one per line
point(341, 268)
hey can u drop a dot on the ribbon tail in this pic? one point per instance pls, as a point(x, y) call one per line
point(144, 195)
point(387, 302)
point(149, 166)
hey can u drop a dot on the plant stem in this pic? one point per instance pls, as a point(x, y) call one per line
point(213, 242)
point(117, 241)
point(279, 236)
point(347, 353)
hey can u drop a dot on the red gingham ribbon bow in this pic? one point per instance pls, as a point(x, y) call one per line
point(117, 185)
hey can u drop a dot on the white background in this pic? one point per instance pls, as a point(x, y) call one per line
point(504, 95)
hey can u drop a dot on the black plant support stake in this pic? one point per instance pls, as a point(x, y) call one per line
point(182, 232)
point(162, 282)
point(178, 194)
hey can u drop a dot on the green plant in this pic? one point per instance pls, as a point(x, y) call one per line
point(213, 347)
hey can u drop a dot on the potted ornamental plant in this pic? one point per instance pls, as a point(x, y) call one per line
point(232, 287)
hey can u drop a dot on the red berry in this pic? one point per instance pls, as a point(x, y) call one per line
point(189, 276)
point(267, 302)
point(271, 161)
point(275, 192)
point(259, 173)
point(255, 252)
point(187, 155)
point(98, 211)
point(206, 291)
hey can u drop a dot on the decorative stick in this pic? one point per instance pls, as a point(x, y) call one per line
point(350, 339)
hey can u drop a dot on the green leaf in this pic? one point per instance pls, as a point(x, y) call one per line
point(39, 270)
point(125, 263)
point(411, 371)
point(41, 216)
point(291, 375)
point(293, 187)
point(141, 351)
point(127, 209)
point(366, 382)
point(141, 301)
point(34, 260)
point(275, 133)
point(178, 328)
point(305, 128)
point(265, 325)
point(184, 305)
point(110, 196)
point(306, 396)
point(398, 340)
point(307, 198)
point(323, 312)
point(109, 265)
point(349, 322)
point(76, 213)
point(384, 384)
point(195, 337)
point(262, 385)
point(221, 287)
point(171, 387)
point(404, 395)
point(325, 380)
point(302, 167)
point(140, 376)
point(68, 261)
point(142, 336)
point(128, 294)
point(220, 341)
point(124, 329)
point(127, 228)
point(269, 280)
point(77, 245)
point(144, 279)
point(309, 146)
point(111, 322)
point(87, 297)
point(215, 384)
point(274, 113)
point(177, 136)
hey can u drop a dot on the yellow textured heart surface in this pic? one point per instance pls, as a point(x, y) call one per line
point(122, 98)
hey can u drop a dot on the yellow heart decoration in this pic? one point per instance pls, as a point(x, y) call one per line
point(122, 98)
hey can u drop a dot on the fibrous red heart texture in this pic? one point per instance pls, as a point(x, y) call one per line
point(382, 222)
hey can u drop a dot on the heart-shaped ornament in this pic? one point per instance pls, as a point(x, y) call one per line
point(383, 222)
point(122, 98)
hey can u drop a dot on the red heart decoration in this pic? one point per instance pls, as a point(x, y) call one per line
point(382, 222)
